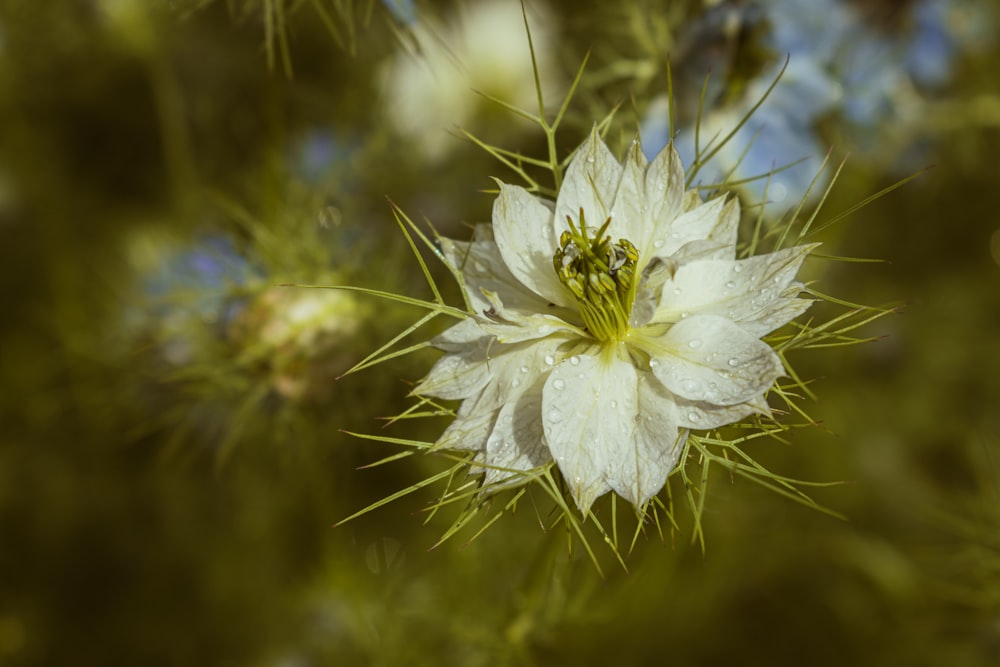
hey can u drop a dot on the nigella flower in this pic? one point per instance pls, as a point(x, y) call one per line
point(607, 325)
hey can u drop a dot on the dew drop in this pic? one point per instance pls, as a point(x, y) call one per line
point(515, 383)
point(694, 416)
point(555, 415)
point(591, 159)
point(550, 360)
point(684, 314)
point(524, 369)
point(558, 384)
point(694, 343)
point(677, 290)
point(658, 243)
point(734, 362)
point(737, 268)
point(653, 363)
point(479, 266)
point(614, 403)
point(575, 360)
point(731, 284)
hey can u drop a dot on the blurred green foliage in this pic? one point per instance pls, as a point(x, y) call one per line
point(169, 475)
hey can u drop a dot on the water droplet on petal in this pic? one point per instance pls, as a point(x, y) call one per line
point(694, 416)
point(734, 362)
point(524, 369)
point(515, 383)
point(550, 360)
point(737, 268)
point(614, 404)
point(677, 290)
point(558, 384)
point(653, 363)
point(658, 243)
point(575, 360)
point(555, 415)
point(684, 314)
point(694, 343)
point(479, 266)
point(731, 284)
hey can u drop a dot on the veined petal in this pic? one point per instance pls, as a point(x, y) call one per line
point(527, 240)
point(588, 413)
point(664, 195)
point(591, 182)
point(712, 221)
point(699, 415)
point(516, 441)
point(460, 374)
point(639, 469)
point(515, 368)
point(470, 428)
point(629, 218)
point(483, 268)
point(748, 291)
point(461, 336)
point(709, 358)
point(515, 326)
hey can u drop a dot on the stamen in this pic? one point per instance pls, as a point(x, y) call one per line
point(600, 274)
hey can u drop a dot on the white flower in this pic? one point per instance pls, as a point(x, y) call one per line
point(483, 47)
point(608, 324)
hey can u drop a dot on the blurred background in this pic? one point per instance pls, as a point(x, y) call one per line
point(172, 455)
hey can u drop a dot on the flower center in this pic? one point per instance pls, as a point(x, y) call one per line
point(601, 276)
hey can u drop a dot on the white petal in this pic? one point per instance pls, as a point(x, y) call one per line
point(483, 268)
point(515, 326)
point(708, 358)
point(517, 441)
point(707, 221)
point(639, 469)
point(588, 411)
point(461, 336)
point(664, 198)
point(470, 428)
point(750, 291)
point(458, 375)
point(698, 415)
point(628, 213)
point(591, 182)
point(525, 234)
point(515, 368)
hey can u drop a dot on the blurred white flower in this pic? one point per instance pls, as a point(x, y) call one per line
point(431, 89)
point(607, 324)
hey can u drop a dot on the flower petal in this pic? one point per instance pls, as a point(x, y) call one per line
point(588, 413)
point(517, 441)
point(753, 292)
point(470, 428)
point(515, 368)
point(639, 469)
point(591, 181)
point(699, 415)
point(483, 268)
point(527, 240)
point(713, 221)
point(628, 215)
point(709, 358)
point(664, 195)
point(458, 375)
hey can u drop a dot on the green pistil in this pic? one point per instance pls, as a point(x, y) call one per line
point(601, 276)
